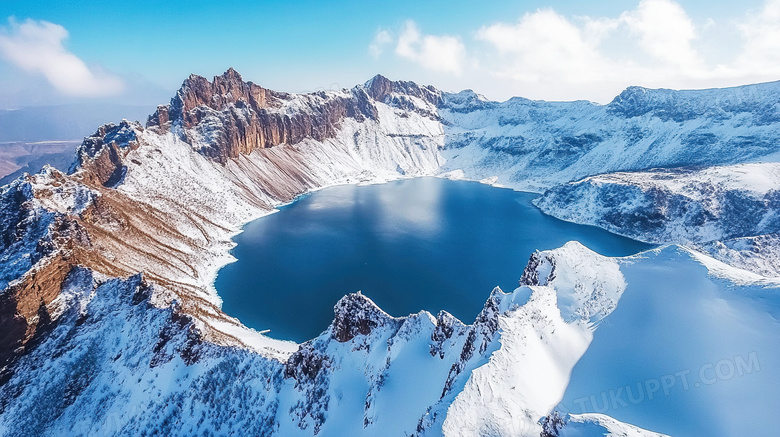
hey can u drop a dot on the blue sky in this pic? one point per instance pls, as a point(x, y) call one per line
point(139, 52)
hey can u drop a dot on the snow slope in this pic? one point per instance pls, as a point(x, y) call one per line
point(688, 351)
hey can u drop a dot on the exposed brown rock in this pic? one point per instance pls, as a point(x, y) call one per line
point(23, 306)
point(244, 116)
point(101, 154)
point(382, 89)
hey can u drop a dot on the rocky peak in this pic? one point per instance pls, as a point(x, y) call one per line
point(228, 117)
point(355, 314)
point(121, 134)
point(383, 89)
point(540, 269)
point(447, 328)
point(378, 87)
point(243, 117)
point(224, 90)
point(632, 102)
point(101, 154)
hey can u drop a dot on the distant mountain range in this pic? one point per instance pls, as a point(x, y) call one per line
point(63, 122)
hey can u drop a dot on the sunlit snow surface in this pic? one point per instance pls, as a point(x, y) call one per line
point(684, 353)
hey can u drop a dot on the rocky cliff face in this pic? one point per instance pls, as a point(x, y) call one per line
point(229, 117)
point(101, 154)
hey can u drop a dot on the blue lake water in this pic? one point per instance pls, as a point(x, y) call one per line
point(409, 245)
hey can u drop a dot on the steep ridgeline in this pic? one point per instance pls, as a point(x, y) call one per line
point(109, 323)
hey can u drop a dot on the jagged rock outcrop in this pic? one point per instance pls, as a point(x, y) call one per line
point(401, 94)
point(101, 153)
point(356, 315)
point(38, 249)
point(540, 270)
point(479, 338)
point(447, 329)
point(229, 117)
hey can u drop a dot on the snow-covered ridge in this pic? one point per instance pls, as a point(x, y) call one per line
point(759, 100)
point(730, 212)
point(534, 145)
point(679, 205)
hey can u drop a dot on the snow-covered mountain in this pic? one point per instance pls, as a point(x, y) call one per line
point(533, 145)
point(111, 324)
point(730, 211)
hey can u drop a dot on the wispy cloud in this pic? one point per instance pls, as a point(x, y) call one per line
point(37, 48)
point(652, 45)
point(761, 33)
point(544, 46)
point(381, 40)
point(442, 53)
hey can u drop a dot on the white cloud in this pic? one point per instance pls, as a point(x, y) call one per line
point(438, 53)
point(666, 32)
point(37, 47)
point(548, 55)
point(544, 46)
point(761, 34)
point(381, 40)
point(649, 44)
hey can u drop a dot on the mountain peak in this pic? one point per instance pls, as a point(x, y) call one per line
point(196, 91)
point(376, 78)
point(356, 314)
point(230, 74)
point(380, 88)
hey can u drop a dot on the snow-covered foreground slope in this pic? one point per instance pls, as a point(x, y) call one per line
point(687, 351)
point(112, 325)
point(369, 373)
